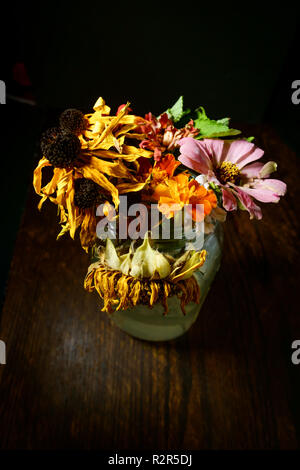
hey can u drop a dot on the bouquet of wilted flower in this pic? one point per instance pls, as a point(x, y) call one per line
point(107, 168)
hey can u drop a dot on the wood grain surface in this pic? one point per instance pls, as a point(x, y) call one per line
point(73, 380)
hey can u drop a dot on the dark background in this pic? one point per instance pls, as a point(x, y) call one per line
point(226, 59)
point(234, 62)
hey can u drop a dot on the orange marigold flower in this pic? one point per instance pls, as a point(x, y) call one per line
point(177, 191)
point(201, 195)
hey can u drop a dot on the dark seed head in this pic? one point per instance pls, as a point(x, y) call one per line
point(61, 148)
point(86, 193)
point(48, 138)
point(72, 120)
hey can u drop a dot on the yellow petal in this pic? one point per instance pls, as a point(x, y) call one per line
point(117, 169)
point(101, 143)
point(51, 186)
point(113, 123)
point(154, 293)
point(135, 292)
point(125, 129)
point(195, 260)
point(124, 188)
point(37, 174)
point(65, 229)
point(88, 229)
point(131, 150)
point(41, 202)
point(109, 211)
point(62, 186)
point(62, 214)
point(100, 179)
point(136, 135)
point(71, 207)
point(101, 106)
point(105, 153)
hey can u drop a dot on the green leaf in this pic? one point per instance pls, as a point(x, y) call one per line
point(210, 127)
point(218, 192)
point(176, 112)
point(223, 121)
point(219, 134)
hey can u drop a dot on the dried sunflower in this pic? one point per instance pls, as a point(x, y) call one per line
point(143, 276)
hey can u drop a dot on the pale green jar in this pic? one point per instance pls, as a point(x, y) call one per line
point(150, 324)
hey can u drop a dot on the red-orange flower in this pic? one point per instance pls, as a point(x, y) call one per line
point(159, 172)
point(162, 136)
point(164, 168)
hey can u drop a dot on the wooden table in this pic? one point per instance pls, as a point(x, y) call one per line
point(74, 381)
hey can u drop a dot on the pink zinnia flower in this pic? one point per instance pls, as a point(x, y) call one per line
point(231, 167)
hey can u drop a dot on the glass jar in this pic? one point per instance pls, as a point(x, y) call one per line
point(149, 323)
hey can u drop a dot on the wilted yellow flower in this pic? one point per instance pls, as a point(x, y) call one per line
point(95, 151)
point(143, 276)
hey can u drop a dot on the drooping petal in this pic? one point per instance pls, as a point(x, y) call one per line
point(193, 260)
point(116, 169)
point(88, 230)
point(229, 201)
point(136, 152)
point(100, 179)
point(71, 207)
point(124, 188)
point(37, 174)
point(249, 204)
point(279, 187)
point(268, 190)
point(262, 195)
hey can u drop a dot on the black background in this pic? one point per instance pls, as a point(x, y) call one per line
point(236, 61)
point(225, 58)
